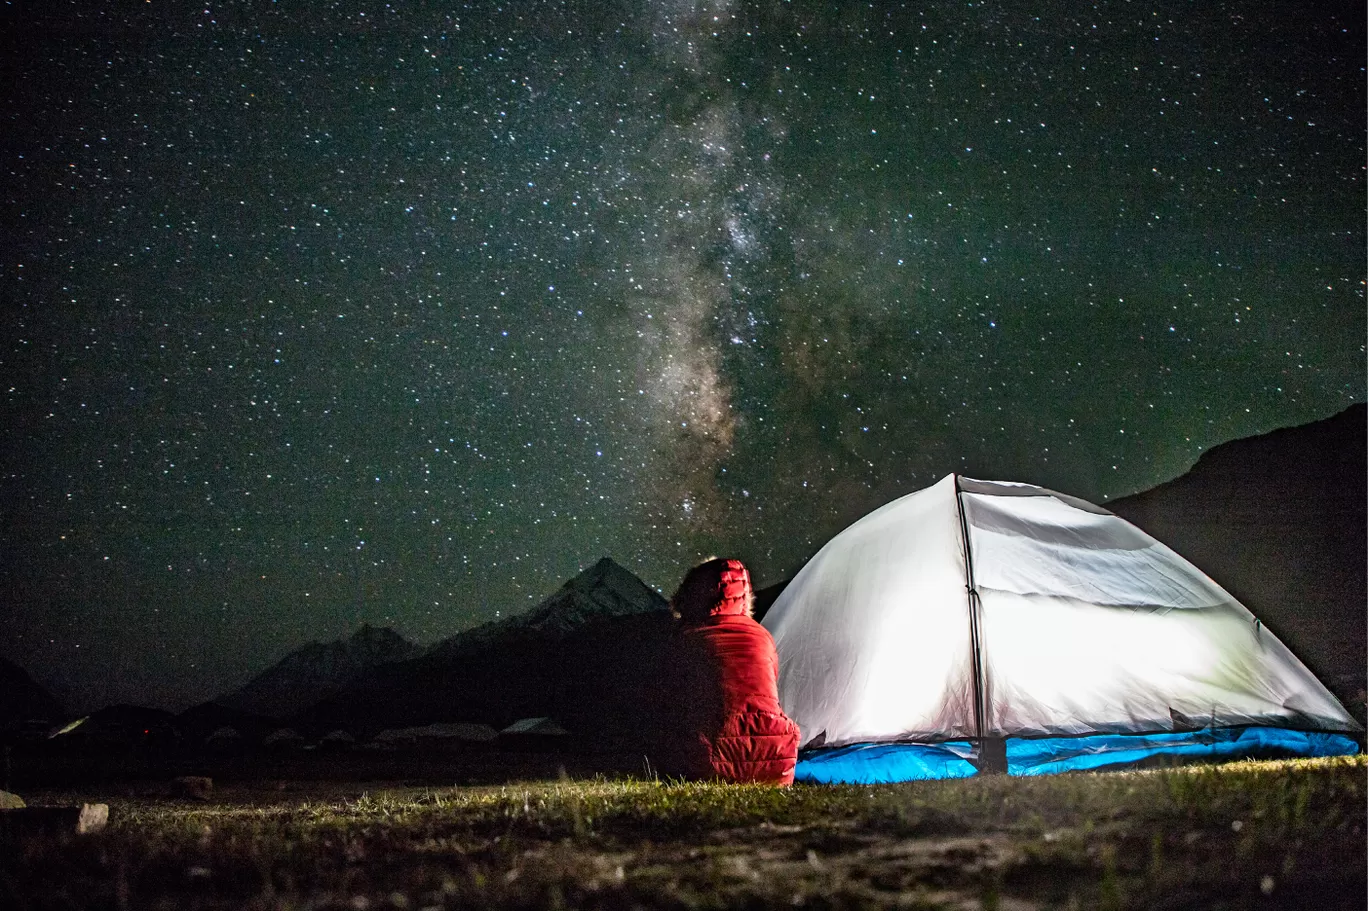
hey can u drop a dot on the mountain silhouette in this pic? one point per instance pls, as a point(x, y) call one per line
point(22, 700)
point(317, 671)
point(1278, 520)
point(602, 591)
point(568, 658)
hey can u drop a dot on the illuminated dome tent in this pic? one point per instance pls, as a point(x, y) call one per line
point(984, 625)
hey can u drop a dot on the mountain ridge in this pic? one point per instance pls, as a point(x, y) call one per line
point(333, 683)
point(316, 670)
point(1280, 520)
point(23, 699)
point(605, 589)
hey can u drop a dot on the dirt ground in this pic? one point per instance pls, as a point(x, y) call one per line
point(1284, 834)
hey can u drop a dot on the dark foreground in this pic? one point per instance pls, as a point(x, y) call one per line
point(1247, 835)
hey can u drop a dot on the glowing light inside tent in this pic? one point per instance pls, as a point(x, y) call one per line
point(1054, 662)
point(1088, 625)
point(905, 689)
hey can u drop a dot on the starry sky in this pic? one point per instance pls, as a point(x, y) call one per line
point(403, 313)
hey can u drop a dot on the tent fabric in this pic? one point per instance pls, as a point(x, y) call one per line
point(883, 763)
point(1090, 624)
point(989, 609)
point(872, 633)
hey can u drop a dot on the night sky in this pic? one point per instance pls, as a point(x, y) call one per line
point(404, 313)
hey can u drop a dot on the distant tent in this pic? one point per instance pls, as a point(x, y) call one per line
point(200, 722)
point(534, 727)
point(337, 740)
point(534, 735)
point(441, 733)
point(979, 624)
point(473, 733)
point(224, 739)
point(120, 727)
point(284, 740)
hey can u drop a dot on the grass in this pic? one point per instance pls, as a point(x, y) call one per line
point(1286, 834)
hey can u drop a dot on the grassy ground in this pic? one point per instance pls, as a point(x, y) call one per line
point(1285, 834)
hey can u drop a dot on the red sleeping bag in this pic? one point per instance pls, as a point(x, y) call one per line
point(726, 671)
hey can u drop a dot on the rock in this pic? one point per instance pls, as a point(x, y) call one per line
point(34, 822)
point(92, 818)
point(192, 787)
point(10, 801)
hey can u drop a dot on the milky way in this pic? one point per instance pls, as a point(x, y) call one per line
point(401, 314)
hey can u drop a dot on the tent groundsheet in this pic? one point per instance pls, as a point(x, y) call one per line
point(881, 763)
point(885, 763)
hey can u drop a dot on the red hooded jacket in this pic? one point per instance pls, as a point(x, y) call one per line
point(726, 670)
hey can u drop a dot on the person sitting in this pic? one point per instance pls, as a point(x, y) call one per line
point(728, 724)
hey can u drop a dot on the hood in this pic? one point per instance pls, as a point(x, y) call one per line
point(717, 588)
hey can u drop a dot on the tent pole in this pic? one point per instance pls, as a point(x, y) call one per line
point(997, 762)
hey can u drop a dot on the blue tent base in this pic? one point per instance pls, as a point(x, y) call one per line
point(879, 763)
